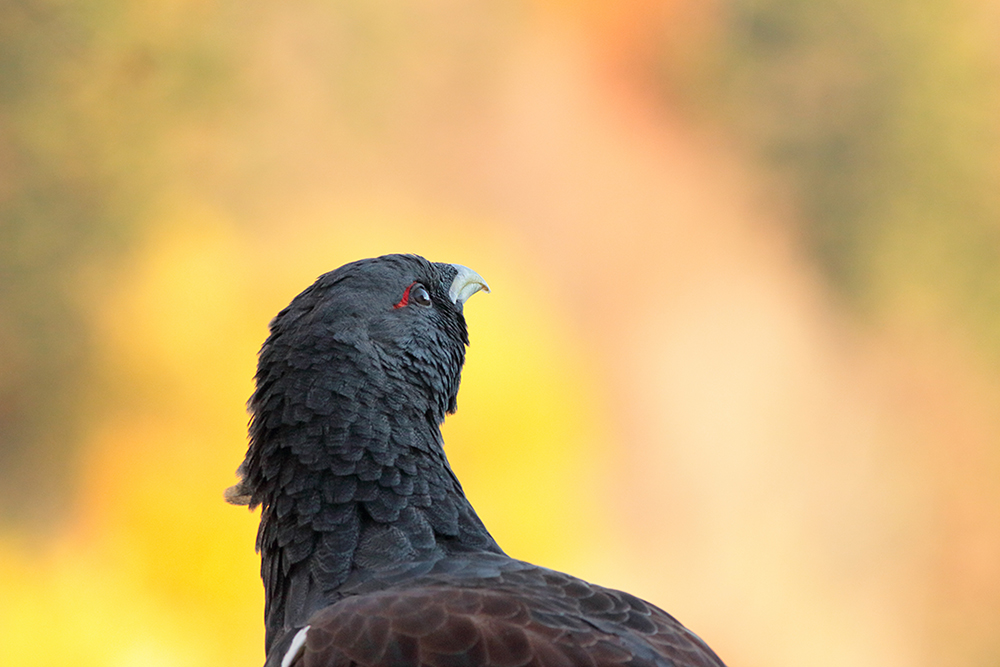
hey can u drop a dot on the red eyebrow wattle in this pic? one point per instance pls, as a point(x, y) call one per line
point(406, 296)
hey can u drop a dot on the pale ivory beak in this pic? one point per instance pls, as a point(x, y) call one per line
point(465, 284)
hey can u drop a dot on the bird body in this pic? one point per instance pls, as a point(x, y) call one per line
point(371, 554)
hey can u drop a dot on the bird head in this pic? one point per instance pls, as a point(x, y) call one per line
point(383, 334)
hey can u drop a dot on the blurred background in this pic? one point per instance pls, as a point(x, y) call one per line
point(741, 357)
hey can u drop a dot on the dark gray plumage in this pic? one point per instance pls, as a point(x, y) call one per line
point(370, 552)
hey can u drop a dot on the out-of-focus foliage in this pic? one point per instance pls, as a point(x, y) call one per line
point(660, 393)
point(90, 93)
point(885, 119)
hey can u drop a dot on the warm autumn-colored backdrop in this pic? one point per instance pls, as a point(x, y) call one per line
point(742, 356)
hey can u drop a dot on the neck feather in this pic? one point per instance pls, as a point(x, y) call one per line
point(340, 497)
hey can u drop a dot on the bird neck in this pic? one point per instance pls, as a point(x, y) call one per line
point(341, 497)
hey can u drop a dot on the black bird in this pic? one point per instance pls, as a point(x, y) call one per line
point(371, 554)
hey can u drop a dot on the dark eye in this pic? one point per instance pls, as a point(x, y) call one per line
point(419, 295)
point(415, 293)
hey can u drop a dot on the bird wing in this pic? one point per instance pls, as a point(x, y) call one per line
point(553, 621)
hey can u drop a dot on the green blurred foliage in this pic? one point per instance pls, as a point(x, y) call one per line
point(884, 118)
point(86, 92)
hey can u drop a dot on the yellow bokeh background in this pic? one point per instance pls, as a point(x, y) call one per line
point(740, 357)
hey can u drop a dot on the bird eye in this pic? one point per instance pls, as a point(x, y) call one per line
point(419, 295)
point(415, 293)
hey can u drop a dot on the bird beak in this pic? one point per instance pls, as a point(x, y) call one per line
point(465, 284)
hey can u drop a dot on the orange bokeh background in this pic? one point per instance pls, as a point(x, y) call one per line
point(666, 391)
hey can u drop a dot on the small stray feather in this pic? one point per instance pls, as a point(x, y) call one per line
point(238, 493)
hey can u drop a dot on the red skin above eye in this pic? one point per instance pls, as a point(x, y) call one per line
point(406, 296)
